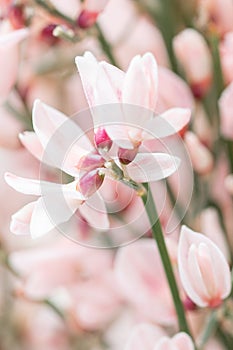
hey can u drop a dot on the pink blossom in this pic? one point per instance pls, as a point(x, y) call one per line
point(204, 271)
point(140, 286)
point(149, 337)
point(106, 84)
point(194, 57)
point(9, 59)
point(82, 161)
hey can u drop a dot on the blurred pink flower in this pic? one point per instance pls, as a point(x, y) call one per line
point(140, 286)
point(226, 55)
point(149, 337)
point(9, 58)
point(226, 116)
point(219, 13)
point(194, 57)
point(204, 271)
point(201, 157)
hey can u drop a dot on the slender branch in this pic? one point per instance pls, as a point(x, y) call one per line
point(106, 46)
point(158, 236)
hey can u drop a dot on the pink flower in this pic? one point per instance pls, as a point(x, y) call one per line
point(204, 271)
point(226, 116)
point(140, 286)
point(148, 337)
point(194, 57)
point(9, 59)
point(106, 84)
point(85, 163)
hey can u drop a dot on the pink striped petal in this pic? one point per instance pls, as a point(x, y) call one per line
point(152, 167)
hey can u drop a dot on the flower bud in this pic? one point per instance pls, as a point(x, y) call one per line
point(90, 183)
point(90, 162)
point(202, 159)
point(16, 16)
point(46, 35)
point(102, 140)
point(126, 156)
point(86, 19)
point(194, 57)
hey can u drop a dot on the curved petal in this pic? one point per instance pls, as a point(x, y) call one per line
point(30, 186)
point(168, 123)
point(20, 221)
point(148, 167)
point(183, 341)
point(32, 143)
point(94, 211)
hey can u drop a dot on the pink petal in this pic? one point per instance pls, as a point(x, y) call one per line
point(32, 143)
point(144, 336)
point(183, 341)
point(152, 167)
point(20, 221)
point(94, 211)
point(30, 186)
point(164, 343)
point(168, 123)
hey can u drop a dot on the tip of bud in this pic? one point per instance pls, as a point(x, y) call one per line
point(86, 19)
point(90, 183)
point(102, 140)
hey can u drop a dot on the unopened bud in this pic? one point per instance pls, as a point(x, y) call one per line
point(189, 305)
point(16, 16)
point(47, 35)
point(90, 183)
point(126, 156)
point(102, 140)
point(90, 162)
point(87, 19)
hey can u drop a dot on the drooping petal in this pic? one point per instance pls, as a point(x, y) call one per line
point(20, 221)
point(29, 186)
point(152, 167)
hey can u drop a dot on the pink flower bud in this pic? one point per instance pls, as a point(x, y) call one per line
point(102, 140)
point(16, 16)
point(86, 19)
point(194, 57)
point(189, 305)
point(126, 156)
point(90, 162)
point(46, 35)
point(202, 159)
point(90, 183)
point(226, 112)
point(204, 271)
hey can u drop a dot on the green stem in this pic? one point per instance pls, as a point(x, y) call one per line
point(212, 324)
point(51, 9)
point(106, 46)
point(159, 238)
